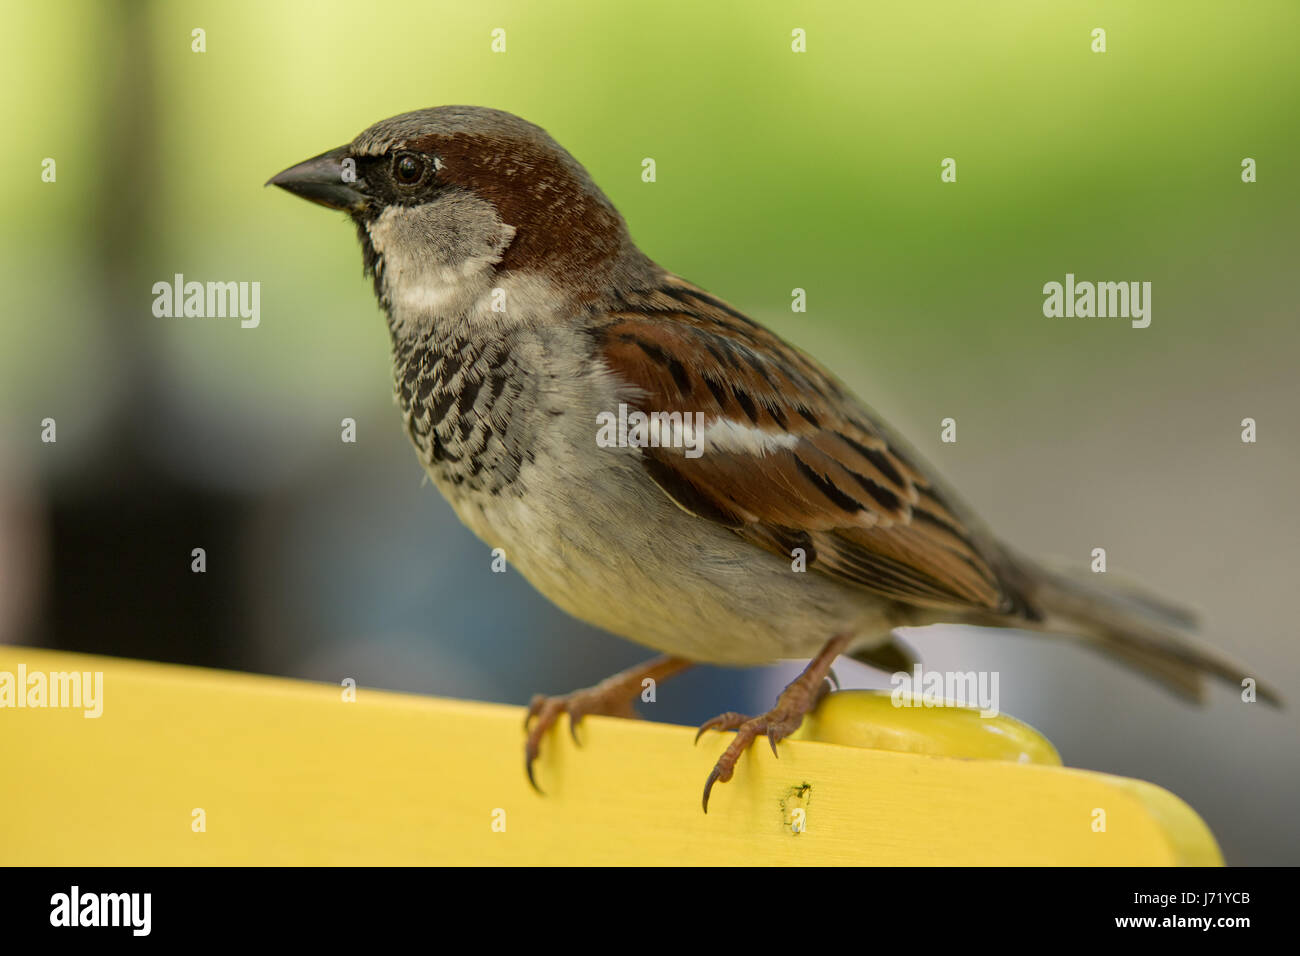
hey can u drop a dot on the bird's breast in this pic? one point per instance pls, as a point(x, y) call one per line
point(461, 400)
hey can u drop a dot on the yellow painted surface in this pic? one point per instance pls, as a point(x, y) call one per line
point(861, 718)
point(286, 772)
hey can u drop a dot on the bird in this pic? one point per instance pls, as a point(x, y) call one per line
point(657, 463)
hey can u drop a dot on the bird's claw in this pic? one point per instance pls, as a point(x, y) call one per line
point(723, 722)
point(777, 724)
point(546, 711)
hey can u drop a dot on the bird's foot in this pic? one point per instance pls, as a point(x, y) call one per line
point(800, 696)
point(613, 697)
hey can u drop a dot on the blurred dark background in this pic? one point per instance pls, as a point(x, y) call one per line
point(775, 170)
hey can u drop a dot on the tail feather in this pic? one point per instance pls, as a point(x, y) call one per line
point(1139, 631)
point(1185, 680)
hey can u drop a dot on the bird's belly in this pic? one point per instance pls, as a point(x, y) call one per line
point(620, 555)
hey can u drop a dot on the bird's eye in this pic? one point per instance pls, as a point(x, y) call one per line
point(408, 169)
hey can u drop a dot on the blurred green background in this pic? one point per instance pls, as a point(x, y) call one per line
point(775, 170)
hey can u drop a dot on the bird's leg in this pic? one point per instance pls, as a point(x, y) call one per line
point(799, 697)
point(612, 697)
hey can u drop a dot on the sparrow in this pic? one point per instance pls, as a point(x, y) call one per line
point(764, 512)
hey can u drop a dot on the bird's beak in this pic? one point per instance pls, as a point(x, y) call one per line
point(329, 179)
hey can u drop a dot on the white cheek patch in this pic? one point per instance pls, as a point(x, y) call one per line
point(424, 277)
point(435, 290)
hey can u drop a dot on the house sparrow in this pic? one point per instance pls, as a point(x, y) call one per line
point(522, 315)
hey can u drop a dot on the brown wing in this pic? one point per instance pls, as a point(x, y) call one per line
point(790, 458)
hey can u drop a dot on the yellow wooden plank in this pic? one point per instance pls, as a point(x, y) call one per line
point(287, 772)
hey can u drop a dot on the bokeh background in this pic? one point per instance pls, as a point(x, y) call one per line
point(775, 170)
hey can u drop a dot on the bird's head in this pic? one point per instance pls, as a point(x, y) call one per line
point(448, 199)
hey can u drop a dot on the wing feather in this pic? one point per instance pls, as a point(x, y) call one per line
point(790, 458)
